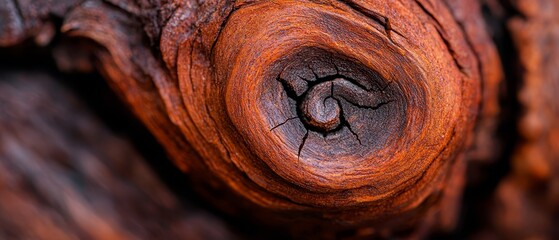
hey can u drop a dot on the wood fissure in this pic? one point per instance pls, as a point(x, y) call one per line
point(327, 117)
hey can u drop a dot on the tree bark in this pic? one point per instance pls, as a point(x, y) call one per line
point(347, 117)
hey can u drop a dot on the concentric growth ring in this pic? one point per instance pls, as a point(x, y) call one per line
point(326, 110)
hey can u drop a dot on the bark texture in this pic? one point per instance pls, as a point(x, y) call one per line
point(331, 117)
point(341, 106)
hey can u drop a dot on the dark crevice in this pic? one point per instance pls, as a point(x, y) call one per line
point(284, 122)
point(377, 17)
point(311, 83)
point(304, 79)
point(288, 90)
point(302, 144)
point(223, 24)
point(442, 34)
point(316, 77)
point(346, 123)
point(343, 120)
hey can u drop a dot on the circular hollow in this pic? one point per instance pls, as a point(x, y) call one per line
point(315, 108)
point(359, 102)
point(382, 101)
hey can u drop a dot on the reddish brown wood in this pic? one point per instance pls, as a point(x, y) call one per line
point(329, 117)
point(231, 100)
point(321, 113)
point(390, 80)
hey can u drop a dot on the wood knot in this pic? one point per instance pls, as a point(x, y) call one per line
point(337, 99)
point(325, 108)
point(321, 110)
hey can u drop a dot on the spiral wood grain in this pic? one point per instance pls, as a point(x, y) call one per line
point(338, 113)
point(354, 110)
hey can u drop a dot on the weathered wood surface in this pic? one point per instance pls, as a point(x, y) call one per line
point(326, 116)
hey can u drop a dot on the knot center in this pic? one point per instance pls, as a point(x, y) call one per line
point(320, 109)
